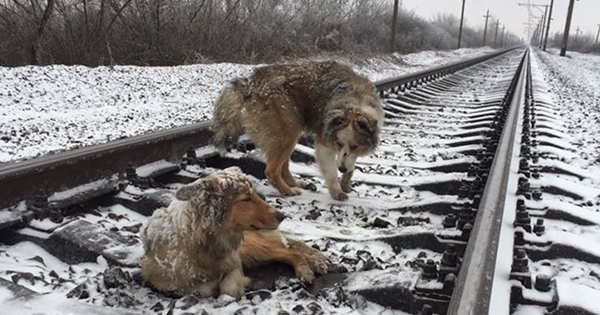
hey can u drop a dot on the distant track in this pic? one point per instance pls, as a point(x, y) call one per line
point(457, 177)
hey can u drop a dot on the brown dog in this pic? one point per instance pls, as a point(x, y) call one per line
point(193, 246)
point(278, 103)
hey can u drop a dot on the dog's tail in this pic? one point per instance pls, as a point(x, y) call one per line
point(226, 123)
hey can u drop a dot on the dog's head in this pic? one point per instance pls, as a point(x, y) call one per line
point(353, 131)
point(227, 200)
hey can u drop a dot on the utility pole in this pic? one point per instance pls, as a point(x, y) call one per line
point(541, 39)
point(502, 37)
point(598, 34)
point(548, 25)
point(496, 34)
point(462, 18)
point(563, 48)
point(486, 16)
point(394, 27)
point(534, 38)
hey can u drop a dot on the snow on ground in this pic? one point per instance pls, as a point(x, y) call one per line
point(571, 85)
point(54, 108)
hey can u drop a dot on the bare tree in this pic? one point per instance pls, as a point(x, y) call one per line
point(36, 46)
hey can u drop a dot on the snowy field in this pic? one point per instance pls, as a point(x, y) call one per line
point(56, 108)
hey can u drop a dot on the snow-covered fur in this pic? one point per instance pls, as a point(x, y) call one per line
point(278, 103)
point(193, 246)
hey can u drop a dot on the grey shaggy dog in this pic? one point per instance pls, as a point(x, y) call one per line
point(278, 103)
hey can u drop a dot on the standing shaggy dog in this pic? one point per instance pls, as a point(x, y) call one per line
point(278, 103)
point(217, 225)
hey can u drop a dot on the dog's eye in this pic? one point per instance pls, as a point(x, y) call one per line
point(363, 125)
point(247, 198)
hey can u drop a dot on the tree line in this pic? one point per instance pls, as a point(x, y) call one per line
point(175, 32)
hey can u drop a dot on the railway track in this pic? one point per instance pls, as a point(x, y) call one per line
point(467, 207)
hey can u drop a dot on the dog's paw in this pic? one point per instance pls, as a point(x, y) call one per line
point(292, 192)
point(346, 187)
point(235, 290)
point(339, 195)
point(305, 274)
point(318, 262)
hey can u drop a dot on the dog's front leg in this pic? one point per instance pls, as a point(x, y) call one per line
point(345, 181)
point(326, 160)
point(234, 283)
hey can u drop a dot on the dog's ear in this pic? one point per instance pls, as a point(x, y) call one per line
point(334, 122)
point(186, 192)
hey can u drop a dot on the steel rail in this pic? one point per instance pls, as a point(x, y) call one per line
point(472, 293)
point(22, 180)
point(412, 79)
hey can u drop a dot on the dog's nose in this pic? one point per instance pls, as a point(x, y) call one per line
point(343, 169)
point(280, 216)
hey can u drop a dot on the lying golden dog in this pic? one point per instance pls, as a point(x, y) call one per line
point(215, 227)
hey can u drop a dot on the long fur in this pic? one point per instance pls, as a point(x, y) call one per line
point(214, 227)
point(278, 103)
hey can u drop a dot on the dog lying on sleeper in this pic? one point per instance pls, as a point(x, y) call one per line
point(214, 228)
point(278, 103)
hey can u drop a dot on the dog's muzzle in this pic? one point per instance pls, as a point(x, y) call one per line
point(343, 169)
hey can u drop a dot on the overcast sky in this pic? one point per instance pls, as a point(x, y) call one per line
point(586, 14)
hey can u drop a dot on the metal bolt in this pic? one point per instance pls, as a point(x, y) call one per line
point(449, 221)
point(536, 194)
point(519, 238)
point(520, 261)
point(533, 143)
point(464, 216)
point(523, 188)
point(466, 231)
point(449, 282)
point(539, 228)
point(449, 258)
point(130, 172)
point(543, 283)
point(463, 192)
point(56, 215)
point(190, 156)
point(40, 205)
point(523, 220)
point(535, 157)
point(523, 164)
point(430, 269)
point(473, 169)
